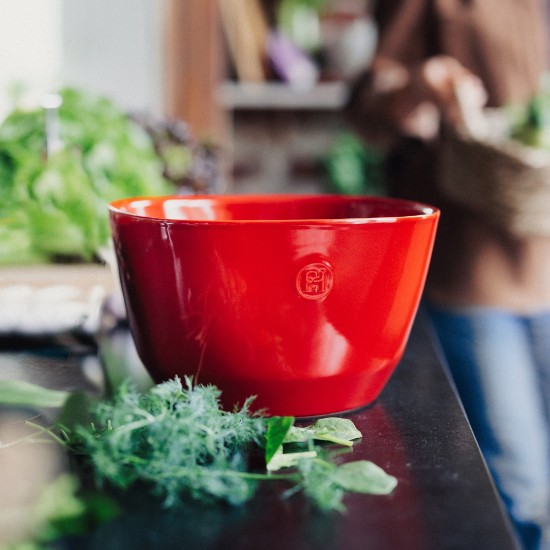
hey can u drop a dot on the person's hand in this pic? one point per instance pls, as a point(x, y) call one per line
point(445, 82)
point(432, 91)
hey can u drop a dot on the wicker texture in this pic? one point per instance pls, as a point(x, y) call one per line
point(501, 180)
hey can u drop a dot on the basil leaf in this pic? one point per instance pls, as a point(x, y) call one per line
point(363, 476)
point(298, 435)
point(336, 430)
point(19, 392)
point(319, 486)
point(288, 460)
point(277, 429)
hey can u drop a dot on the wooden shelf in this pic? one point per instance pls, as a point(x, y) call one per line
point(280, 96)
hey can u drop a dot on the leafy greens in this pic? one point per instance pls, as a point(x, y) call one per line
point(177, 439)
point(56, 207)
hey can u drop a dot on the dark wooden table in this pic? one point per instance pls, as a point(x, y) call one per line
point(416, 430)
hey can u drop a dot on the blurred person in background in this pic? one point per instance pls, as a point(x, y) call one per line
point(488, 292)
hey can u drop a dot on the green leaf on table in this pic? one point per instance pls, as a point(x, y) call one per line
point(288, 460)
point(19, 392)
point(277, 430)
point(281, 431)
point(326, 483)
point(76, 411)
point(363, 476)
point(298, 434)
point(336, 430)
point(318, 484)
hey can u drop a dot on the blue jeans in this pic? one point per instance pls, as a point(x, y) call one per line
point(500, 363)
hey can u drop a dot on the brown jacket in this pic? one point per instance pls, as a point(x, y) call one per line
point(504, 43)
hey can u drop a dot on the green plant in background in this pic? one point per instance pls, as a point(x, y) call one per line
point(531, 122)
point(354, 168)
point(299, 21)
point(56, 206)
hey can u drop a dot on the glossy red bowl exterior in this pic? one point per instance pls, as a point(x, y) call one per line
point(304, 301)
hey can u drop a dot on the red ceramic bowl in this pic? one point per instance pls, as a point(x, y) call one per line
point(304, 301)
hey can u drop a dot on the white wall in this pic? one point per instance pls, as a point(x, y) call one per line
point(30, 47)
point(112, 47)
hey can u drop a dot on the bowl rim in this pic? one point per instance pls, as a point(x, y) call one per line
point(424, 211)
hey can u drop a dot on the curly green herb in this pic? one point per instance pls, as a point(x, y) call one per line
point(177, 439)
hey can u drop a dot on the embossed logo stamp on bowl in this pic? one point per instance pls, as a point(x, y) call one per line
point(315, 281)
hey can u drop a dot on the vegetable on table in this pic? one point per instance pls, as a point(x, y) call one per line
point(55, 206)
point(176, 439)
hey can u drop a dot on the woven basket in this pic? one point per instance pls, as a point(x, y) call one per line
point(501, 180)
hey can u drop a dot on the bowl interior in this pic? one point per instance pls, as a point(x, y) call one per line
point(271, 208)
